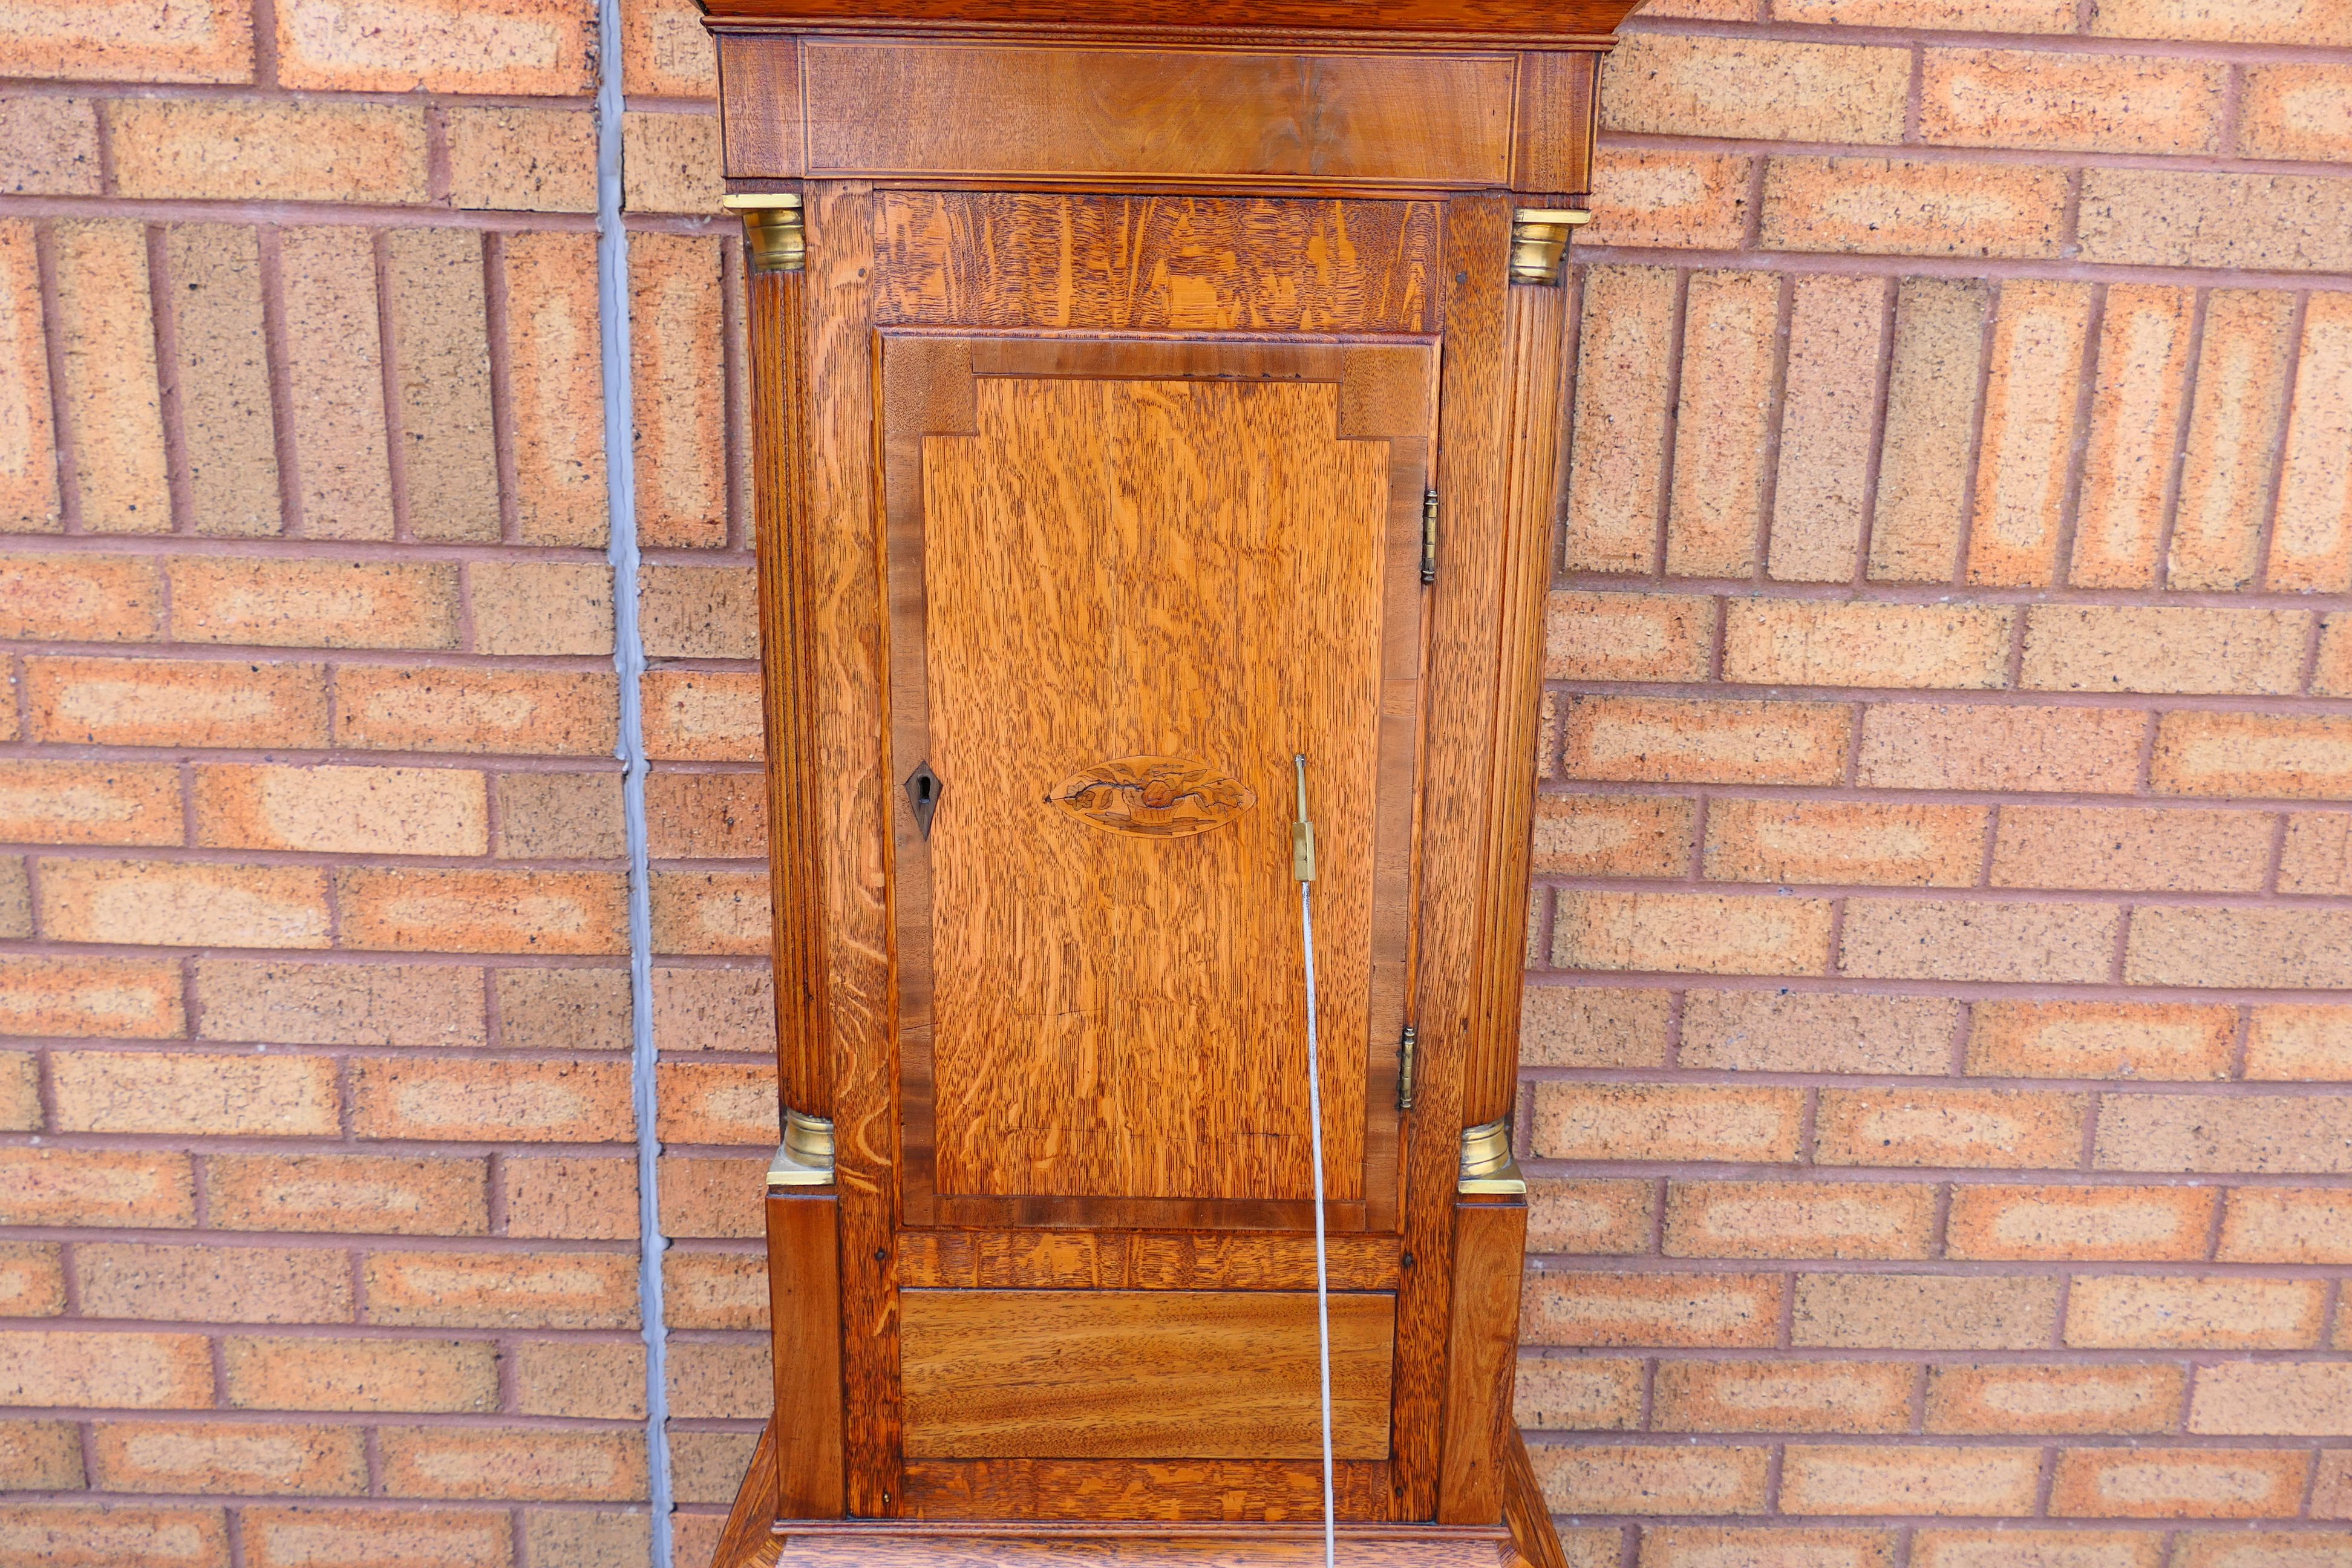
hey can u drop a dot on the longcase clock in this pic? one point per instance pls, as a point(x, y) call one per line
point(1146, 399)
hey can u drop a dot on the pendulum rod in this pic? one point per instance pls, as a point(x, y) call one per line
point(1302, 866)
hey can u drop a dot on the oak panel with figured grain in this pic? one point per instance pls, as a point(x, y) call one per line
point(1167, 1491)
point(1237, 1548)
point(1138, 1261)
point(1142, 1373)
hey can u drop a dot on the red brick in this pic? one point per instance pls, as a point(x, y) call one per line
point(41, 1457)
point(422, 909)
point(1930, 419)
point(1652, 1478)
point(337, 382)
point(540, 607)
point(492, 1101)
point(1693, 1546)
point(220, 1457)
point(2037, 1549)
point(2292, 111)
point(1668, 197)
point(331, 1537)
point(718, 1382)
point(1799, 1219)
point(2283, 223)
point(107, 1371)
point(240, 149)
point(667, 54)
point(311, 1003)
point(2027, 436)
point(695, 1537)
point(1784, 1396)
point(717, 1103)
point(20, 1091)
point(1582, 1394)
point(1923, 1312)
point(111, 398)
point(1722, 1310)
point(709, 1466)
point(1730, 320)
point(570, 1199)
point(702, 716)
point(2311, 541)
point(2074, 103)
point(175, 703)
point(706, 816)
point(581, 1378)
point(529, 160)
point(562, 816)
point(2316, 857)
point(348, 811)
point(2063, 1223)
point(2331, 1495)
point(712, 912)
point(160, 902)
point(81, 598)
point(2235, 422)
point(214, 1284)
point(376, 1374)
point(16, 898)
point(675, 308)
point(221, 1096)
point(2292, 756)
point(1681, 84)
point(2257, 1134)
point(370, 1195)
point(1617, 473)
point(221, 366)
point(76, 1535)
point(539, 48)
point(281, 602)
point(1933, 1479)
point(2126, 848)
point(149, 1190)
point(2286, 1225)
point(1666, 1121)
point(1831, 389)
point(1996, 1129)
point(513, 1465)
point(2323, 22)
point(2101, 1039)
point(524, 712)
point(125, 999)
point(2244, 1549)
point(2151, 1312)
point(2020, 1396)
point(672, 163)
point(557, 396)
point(714, 1010)
point(1588, 1218)
point(563, 1009)
point(2333, 675)
point(1872, 842)
point(33, 1283)
point(1896, 206)
point(124, 43)
point(2178, 1483)
point(1953, 939)
point(1666, 741)
point(434, 281)
point(713, 1195)
point(714, 1290)
point(1925, 745)
point(2103, 647)
point(1811, 642)
point(1797, 1031)
point(1691, 933)
point(2263, 1399)
point(2278, 947)
point(1592, 1027)
point(2141, 382)
point(29, 470)
point(1611, 836)
point(1627, 636)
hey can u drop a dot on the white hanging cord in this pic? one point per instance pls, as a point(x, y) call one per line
point(1302, 866)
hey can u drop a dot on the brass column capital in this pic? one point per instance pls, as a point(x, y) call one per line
point(772, 230)
point(1540, 239)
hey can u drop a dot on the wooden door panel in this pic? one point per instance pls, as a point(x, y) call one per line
point(1142, 1374)
point(1130, 579)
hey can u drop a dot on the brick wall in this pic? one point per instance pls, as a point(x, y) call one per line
point(1933, 1068)
point(1960, 481)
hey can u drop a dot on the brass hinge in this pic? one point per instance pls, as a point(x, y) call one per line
point(1405, 1069)
point(1429, 536)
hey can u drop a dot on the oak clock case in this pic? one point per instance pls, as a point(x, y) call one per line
point(1136, 408)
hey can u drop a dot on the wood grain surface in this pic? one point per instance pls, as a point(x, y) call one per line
point(1551, 154)
point(804, 1443)
point(1115, 1017)
point(1283, 1551)
point(1155, 263)
point(762, 118)
point(1090, 1491)
point(1463, 20)
point(748, 1540)
point(1138, 1261)
point(1482, 1345)
point(1535, 1540)
point(1142, 1374)
point(975, 109)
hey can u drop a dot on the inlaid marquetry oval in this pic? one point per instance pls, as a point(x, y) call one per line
point(1158, 797)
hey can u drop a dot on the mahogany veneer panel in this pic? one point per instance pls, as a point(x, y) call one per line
point(1142, 1373)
